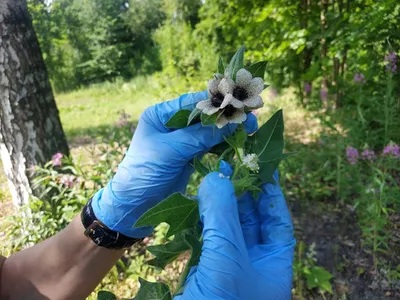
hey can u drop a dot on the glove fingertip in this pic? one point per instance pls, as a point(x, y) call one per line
point(251, 124)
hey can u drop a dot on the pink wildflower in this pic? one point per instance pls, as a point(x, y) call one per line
point(368, 155)
point(392, 149)
point(352, 155)
point(57, 159)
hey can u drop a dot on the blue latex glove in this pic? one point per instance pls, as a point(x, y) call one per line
point(156, 165)
point(248, 245)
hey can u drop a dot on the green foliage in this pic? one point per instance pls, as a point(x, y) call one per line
point(180, 119)
point(307, 272)
point(177, 210)
point(236, 63)
point(150, 290)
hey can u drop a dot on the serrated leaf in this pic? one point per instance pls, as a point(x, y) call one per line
point(153, 291)
point(268, 167)
point(236, 63)
point(258, 69)
point(208, 119)
point(167, 253)
point(177, 210)
point(200, 167)
point(105, 295)
point(221, 67)
point(179, 119)
point(193, 116)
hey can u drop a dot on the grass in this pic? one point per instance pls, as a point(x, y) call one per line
point(90, 111)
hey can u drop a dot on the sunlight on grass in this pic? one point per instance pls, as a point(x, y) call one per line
point(90, 111)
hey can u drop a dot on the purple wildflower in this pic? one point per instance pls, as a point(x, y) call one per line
point(323, 93)
point(359, 77)
point(68, 180)
point(368, 155)
point(307, 87)
point(57, 159)
point(392, 149)
point(352, 155)
point(390, 60)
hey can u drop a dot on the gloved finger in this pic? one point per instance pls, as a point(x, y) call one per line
point(249, 220)
point(157, 116)
point(224, 250)
point(197, 139)
point(225, 168)
point(276, 221)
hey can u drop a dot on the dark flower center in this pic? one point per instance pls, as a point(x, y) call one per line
point(216, 99)
point(240, 93)
point(229, 111)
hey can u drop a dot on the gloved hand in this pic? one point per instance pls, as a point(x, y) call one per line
point(248, 245)
point(156, 164)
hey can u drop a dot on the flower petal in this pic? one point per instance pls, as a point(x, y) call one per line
point(229, 99)
point(256, 86)
point(221, 121)
point(238, 117)
point(206, 107)
point(226, 86)
point(213, 86)
point(243, 77)
point(254, 102)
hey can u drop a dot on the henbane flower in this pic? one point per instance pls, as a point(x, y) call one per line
point(230, 98)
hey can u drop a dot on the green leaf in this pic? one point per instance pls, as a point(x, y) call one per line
point(268, 167)
point(192, 241)
point(238, 139)
point(104, 295)
point(177, 210)
point(266, 86)
point(153, 291)
point(318, 277)
point(167, 253)
point(193, 116)
point(179, 119)
point(208, 119)
point(258, 69)
point(221, 67)
point(200, 167)
point(236, 63)
point(268, 144)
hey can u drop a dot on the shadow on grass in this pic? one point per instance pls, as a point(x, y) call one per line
point(99, 134)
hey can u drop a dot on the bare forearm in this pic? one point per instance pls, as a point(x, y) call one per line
point(66, 266)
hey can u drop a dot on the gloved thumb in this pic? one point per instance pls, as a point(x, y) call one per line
point(224, 249)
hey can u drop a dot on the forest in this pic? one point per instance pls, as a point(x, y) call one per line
point(332, 66)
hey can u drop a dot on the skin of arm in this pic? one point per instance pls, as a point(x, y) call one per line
point(66, 266)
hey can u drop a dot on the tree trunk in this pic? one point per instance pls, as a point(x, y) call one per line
point(30, 127)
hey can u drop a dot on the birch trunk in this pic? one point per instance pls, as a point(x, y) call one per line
point(30, 127)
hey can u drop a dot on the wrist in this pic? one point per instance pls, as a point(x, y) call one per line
point(117, 215)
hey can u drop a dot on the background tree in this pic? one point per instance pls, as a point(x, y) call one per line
point(30, 127)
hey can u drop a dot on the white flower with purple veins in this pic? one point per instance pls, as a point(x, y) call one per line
point(232, 98)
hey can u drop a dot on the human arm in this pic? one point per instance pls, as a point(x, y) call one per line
point(156, 165)
point(66, 266)
point(248, 244)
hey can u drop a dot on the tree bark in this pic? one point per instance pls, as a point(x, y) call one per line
point(30, 127)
